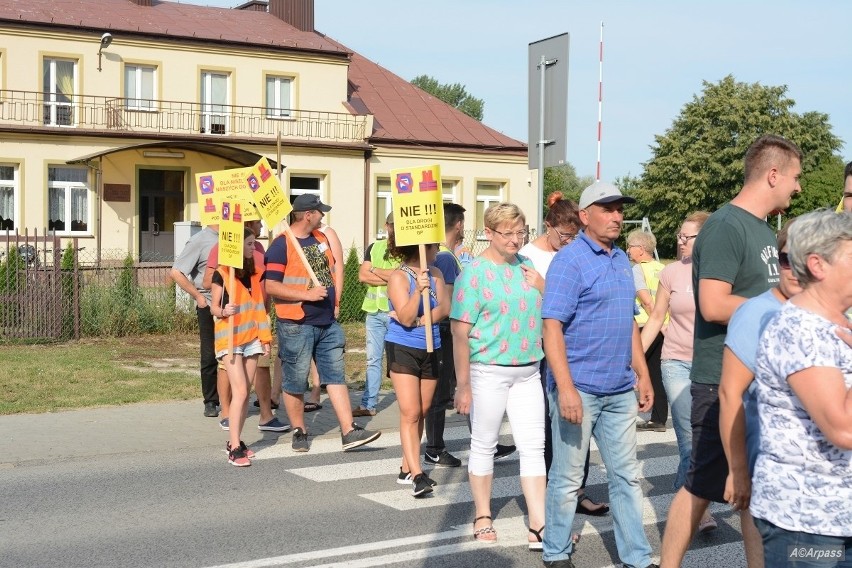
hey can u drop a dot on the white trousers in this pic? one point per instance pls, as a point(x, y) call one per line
point(517, 392)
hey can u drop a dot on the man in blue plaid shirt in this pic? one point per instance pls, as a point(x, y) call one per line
point(594, 358)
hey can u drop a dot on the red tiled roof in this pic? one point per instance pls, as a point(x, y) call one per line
point(403, 114)
point(168, 19)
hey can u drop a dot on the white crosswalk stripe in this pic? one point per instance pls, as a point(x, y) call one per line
point(442, 547)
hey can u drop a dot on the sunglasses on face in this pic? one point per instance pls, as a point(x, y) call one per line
point(784, 260)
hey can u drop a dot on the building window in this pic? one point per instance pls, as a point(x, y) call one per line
point(448, 191)
point(488, 193)
point(302, 184)
point(278, 98)
point(214, 103)
point(384, 205)
point(68, 199)
point(139, 87)
point(8, 196)
point(60, 78)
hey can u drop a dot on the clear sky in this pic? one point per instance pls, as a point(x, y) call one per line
point(656, 55)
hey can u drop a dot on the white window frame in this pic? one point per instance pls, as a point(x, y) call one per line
point(69, 187)
point(209, 108)
point(486, 201)
point(136, 101)
point(296, 190)
point(381, 216)
point(14, 185)
point(51, 94)
point(449, 194)
point(278, 109)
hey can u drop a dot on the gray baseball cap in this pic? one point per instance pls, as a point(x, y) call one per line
point(602, 192)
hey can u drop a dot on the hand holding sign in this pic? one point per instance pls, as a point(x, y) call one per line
point(231, 237)
point(418, 211)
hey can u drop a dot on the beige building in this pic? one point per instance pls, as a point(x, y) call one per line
point(108, 109)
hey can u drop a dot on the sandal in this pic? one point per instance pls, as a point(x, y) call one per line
point(311, 406)
point(486, 534)
point(536, 544)
point(585, 510)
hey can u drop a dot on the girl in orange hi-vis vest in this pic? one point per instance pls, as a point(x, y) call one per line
point(244, 308)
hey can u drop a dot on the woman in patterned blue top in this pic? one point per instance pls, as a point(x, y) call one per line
point(411, 368)
point(802, 485)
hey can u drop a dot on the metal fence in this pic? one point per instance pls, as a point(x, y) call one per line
point(149, 116)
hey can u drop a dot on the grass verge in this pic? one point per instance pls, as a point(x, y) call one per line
point(122, 370)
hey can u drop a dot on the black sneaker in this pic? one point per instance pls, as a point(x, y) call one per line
point(503, 451)
point(444, 459)
point(564, 563)
point(358, 437)
point(300, 440)
point(404, 477)
point(421, 485)
point(651, 427)
point(210, 410)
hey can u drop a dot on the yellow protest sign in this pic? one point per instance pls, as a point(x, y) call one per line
point(418, 207)
point(224, 185)
point(231, 234)
point(267, 194)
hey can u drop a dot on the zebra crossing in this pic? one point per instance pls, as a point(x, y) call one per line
point(372, 475)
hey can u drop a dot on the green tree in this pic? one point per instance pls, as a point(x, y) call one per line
point(565, 180)
point(697, 164)
point(353, 290)
point(454, 95)
point(821, 187)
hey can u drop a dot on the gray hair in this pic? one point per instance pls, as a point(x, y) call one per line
point(643, 239)
point(819, 232)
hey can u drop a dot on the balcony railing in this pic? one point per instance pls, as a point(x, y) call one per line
point(86, 112)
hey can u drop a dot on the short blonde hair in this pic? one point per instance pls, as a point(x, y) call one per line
point(699, 217)
point(503, 213)
point(643, 239)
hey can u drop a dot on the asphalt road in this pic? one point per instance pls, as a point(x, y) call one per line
point(181, 505)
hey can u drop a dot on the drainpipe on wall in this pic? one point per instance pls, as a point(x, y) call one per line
point(367, 155)
point(99, 191)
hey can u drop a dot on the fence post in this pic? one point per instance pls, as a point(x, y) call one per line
point(75, 302)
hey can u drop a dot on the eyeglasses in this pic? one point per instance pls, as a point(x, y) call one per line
point(684, 238)
point(520, 234)
point(565, 237)
point(784, 261)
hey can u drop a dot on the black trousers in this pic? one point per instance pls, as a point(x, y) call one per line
point(660, 410)
point(444, 393)
point(208, 363)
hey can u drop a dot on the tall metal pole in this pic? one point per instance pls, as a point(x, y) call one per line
point(600, 104)
point(542, 68)
point(542, 143)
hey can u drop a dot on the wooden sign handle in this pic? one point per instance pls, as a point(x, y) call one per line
point(427, 308)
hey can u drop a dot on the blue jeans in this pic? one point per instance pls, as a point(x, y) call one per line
point(612, 421)
point(676, 382)
point(777, 544)
point(299, 343)
point(377, 328)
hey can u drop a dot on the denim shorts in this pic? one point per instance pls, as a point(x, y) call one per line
point(253, 347)
point(299, 343)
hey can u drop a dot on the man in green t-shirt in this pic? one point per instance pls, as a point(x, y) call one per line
point(735, 258)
